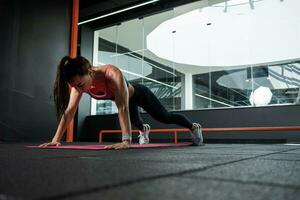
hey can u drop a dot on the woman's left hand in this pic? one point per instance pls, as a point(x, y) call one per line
point(122, 145)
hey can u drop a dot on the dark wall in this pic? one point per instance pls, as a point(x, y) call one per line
point(34, 36)
point(240, 117)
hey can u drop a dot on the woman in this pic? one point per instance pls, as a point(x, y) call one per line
point(107, 82)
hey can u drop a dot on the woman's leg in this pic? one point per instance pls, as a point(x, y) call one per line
point(135, 117)
point(149, 102)
point(137, 121)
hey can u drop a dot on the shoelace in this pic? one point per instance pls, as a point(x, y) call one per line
point(197, 125)
point(146, 129)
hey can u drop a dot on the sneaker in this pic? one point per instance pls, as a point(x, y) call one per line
point(197, 137)
point(144, 135)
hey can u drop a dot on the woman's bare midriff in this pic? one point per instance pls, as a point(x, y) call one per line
point(130, 90)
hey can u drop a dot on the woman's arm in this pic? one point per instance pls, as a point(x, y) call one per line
point(68, 114)
point(66, 118)
point(122, 102)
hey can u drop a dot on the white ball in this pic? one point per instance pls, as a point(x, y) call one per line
point(261, 96)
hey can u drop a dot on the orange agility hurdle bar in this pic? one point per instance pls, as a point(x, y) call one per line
point(231, 129)
point(175, 131)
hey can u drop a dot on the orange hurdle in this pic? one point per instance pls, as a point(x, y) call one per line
point(152, 131)
point(231, 129)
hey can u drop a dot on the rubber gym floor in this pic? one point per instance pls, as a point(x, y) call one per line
point(213, 171)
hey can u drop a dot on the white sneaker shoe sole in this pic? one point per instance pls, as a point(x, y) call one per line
point(197, 137)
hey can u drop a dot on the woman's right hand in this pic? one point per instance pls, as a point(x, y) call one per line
point(50, 144)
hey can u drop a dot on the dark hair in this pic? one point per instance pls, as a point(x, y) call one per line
point(67, 68)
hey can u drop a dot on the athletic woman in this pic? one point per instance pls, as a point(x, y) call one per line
point(108, 82)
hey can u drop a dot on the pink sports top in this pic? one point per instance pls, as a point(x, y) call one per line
point(101, 89)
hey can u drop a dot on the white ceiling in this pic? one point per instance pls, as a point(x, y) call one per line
point(239, 36)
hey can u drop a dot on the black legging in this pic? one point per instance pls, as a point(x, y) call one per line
point(143, 97)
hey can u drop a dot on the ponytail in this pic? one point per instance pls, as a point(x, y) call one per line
point(61, 89)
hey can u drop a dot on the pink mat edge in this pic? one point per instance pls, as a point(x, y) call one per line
point(101, 146)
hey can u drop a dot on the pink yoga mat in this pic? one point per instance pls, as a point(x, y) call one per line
point(101, 146)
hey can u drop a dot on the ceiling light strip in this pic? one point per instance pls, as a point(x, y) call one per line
point(119, 11)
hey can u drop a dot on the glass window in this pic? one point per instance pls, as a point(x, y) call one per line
point(209, 54)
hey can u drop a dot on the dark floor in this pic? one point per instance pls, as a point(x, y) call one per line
point(215, 171)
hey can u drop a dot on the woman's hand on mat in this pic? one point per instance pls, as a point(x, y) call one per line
point(122, 145)
point(50, 144)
